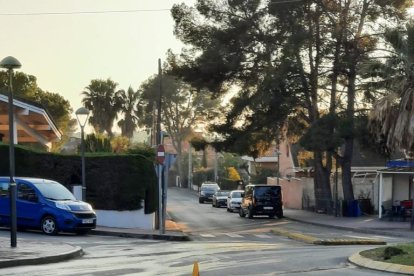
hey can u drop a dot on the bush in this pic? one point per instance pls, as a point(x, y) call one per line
point(113, 182)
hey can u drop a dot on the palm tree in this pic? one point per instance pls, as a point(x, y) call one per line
point(129, 102)
point(102, 98)
point(392, 116)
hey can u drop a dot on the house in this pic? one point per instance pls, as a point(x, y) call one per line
point(32, 123)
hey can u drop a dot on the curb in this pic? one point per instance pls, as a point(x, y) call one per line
point(361, 261)
point(166, 237)
point(359, 230)
point(313, 240)
point(74, 253)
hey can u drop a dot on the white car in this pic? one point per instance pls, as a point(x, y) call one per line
point(234, 200)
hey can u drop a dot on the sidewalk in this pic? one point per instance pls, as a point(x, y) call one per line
point(363, 224)
point(32, 252)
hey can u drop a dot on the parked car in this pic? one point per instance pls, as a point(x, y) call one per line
point(207, 191)
point(261, 199)
point(46, 205)
point(220, 198)
point(234, 199)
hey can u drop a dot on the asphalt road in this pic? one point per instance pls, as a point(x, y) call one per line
point(223, 244)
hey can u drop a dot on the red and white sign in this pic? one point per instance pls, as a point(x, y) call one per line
point(160, 154)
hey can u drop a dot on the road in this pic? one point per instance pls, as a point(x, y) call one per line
point(223, 244)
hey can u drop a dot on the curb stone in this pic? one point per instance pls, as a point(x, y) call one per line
point(313, 240)
point(74, 253)
point(359, 260)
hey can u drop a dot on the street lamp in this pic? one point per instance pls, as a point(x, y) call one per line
point(11, 63)
point(82, 115)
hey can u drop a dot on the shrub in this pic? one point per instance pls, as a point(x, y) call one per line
point(113, 182)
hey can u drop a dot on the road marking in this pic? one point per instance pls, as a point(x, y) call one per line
point(383, 237)
point(207, 235)
point(234, 235)
point(263, 236)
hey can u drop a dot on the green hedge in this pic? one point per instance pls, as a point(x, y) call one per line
point(113, 182)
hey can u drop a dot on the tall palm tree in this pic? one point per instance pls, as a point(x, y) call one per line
point(102, 98)
point(130, 100)
point(392, 116)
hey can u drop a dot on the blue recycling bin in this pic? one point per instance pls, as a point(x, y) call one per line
point(355, 210)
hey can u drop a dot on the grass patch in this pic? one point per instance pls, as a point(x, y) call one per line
point(399, 254)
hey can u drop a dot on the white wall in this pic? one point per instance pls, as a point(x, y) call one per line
point(125, 219)
point(401, 187)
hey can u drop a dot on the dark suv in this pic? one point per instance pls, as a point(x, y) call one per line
point(207, 191)
point(261, 199)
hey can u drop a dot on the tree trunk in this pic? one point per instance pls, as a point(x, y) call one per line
point(323, 195)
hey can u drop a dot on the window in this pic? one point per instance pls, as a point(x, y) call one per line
point(25, 192)
point(4, 189)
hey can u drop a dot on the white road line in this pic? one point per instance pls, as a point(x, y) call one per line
point(234, 235)
point(383, 237)
point(262, 236)
point(207, 235)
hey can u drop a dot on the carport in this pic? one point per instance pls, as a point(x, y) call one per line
point(32, 123)
point(395, 183)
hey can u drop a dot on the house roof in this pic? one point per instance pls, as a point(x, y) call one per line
point(34, 124)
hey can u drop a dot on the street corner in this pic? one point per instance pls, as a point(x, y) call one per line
point(310, 239)
point(32, 253)
point(361, 261)
point(294, 235)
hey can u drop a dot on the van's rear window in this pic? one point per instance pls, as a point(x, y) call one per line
point(271, 190)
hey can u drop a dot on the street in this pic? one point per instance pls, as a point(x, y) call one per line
point(222, 244)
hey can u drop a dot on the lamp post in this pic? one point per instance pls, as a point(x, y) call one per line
point(11, 63)
point(82, 115)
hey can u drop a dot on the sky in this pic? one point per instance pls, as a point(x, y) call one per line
point(67, 43)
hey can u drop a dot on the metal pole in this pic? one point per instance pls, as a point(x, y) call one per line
point(158, 142)
point(83, 164)
point(160, 198)
point(336, 188)
point(412, 206)
point(159, 103)
point(190, 169)
point(12, 187)
point(164, 197)
point(215, 166)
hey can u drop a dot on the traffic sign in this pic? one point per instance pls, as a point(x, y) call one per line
point(160, 154)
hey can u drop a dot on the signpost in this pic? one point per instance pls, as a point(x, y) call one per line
point(160, 161)
point(160, 154)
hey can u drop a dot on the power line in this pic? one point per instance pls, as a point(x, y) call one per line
point(82, 12)
point(119, 11)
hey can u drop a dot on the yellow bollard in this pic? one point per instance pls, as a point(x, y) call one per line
point(195, 269)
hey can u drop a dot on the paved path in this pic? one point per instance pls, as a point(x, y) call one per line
point(30, 252)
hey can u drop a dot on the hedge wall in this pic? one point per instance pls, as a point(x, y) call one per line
point(113, 182)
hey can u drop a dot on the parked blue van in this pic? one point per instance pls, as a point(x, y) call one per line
point(46, 205)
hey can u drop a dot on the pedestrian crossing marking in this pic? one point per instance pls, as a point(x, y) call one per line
point(263, 236)
point(207, 235)
point(234, 235)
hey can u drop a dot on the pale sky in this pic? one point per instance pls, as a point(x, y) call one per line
point(66, 51)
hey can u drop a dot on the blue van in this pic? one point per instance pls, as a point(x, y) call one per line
point(46, 205)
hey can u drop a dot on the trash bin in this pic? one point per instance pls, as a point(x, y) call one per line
point(354, 209)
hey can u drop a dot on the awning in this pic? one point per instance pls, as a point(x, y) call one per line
point(32, 123)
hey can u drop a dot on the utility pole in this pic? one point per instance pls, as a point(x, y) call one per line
point(190, 167)
point(159, 141)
